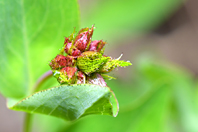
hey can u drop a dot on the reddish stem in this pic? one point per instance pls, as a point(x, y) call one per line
point(41, 80)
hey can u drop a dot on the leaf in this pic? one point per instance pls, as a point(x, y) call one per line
point(70, 102)
point(107, 77)
point(148, 116)
point(185, 103)
point(45, 123)
point(30, 31)
point(126, 19)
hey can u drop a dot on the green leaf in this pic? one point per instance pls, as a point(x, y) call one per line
point(147, 116)
point(126, 19)
point(70, 102)
point(185, 101)
point(45, 123)
point(107, 77)
point(30, 31)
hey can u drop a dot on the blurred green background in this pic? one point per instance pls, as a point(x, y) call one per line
point(159, 92)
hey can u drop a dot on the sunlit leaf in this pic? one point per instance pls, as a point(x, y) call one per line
point(30, 33)
point(70, 102)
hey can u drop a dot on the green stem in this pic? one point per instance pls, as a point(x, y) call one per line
point(27, 123)
point(28, 117)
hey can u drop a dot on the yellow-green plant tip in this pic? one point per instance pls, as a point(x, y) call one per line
point(112, 64)
point(107, 77)
point(91, 61)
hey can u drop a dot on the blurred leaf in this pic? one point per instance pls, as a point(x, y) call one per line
point(29, 33)
point(126, 18)
point(45, 123)
point(149, 116)
point(127, 91)
point(185, 97)
point(70, 102)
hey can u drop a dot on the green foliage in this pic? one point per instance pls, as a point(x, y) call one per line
point(160, 98)
point(90, 62)
point(157, 97)
point(107, 77)
point(70, 102)
point(124, 20)
point(184, 93)
point(112, 64)
point(30, 32)
point(147, 116)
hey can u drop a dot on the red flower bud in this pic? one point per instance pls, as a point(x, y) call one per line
point(96, 79)
point(70, 61)
point(67, 41)
point(96, 45)
point(84, 61)
point(58, 62)
point(75, 53)
point(81, 78)
point(67, 47)
point(83, 38)
point(72, 50)
point(68, 71)
point(66, 75)
point(82, 41)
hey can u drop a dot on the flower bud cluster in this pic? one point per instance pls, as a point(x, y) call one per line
point(84, 61)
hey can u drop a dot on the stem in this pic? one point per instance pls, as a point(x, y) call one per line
point(41, 80)
point(27, 125)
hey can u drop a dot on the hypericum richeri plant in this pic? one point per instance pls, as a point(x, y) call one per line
point(80, 68)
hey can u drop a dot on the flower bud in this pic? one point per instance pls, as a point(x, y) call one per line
point(70, 60)
point(82, 41)
point(67, 48)
point(69, 71)
point(76, 53)
point(72, 50)
point(58, 62)
point(81, 78)
point(96, 79)
point(84, 62)
point(83, 38)
point(67, 41)
point(96, 45)
point(66, 75)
